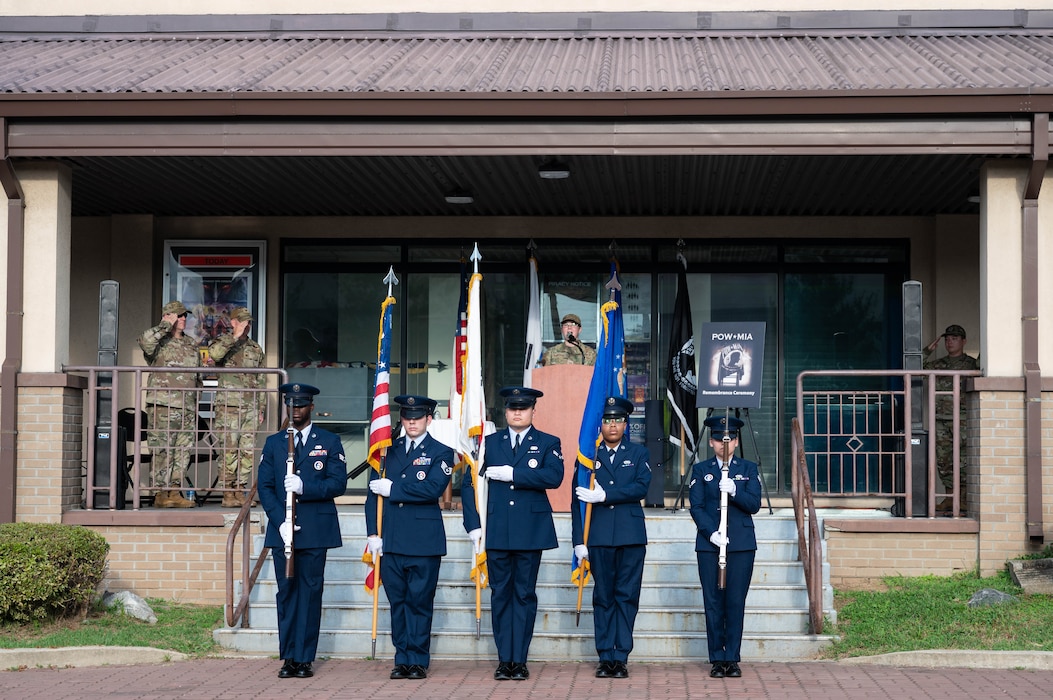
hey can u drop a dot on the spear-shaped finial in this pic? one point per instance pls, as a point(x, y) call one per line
point(680, 253)
point(613, 284)
point(391, 279)
point(476, 257)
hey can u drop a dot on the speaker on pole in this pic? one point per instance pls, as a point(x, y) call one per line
point(656, 447)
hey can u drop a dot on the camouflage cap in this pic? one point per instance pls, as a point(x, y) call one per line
point(240, 313)
point(955, 329)
point(571, 318)
point(174, 307)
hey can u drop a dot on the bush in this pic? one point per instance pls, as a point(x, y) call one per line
point(48, 570)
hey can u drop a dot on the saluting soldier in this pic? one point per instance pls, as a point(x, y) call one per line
point(520, 463)
point(725, 608)
point(238, 413)
point(417, 471)
point(617, 537)
point(171, 404)
point(320, 476)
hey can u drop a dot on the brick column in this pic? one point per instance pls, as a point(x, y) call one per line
point(50, 477)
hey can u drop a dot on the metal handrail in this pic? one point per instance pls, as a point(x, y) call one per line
point(240, 612)
point(901, 434)
point(810, 548)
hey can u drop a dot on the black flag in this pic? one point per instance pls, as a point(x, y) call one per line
point(681, 378)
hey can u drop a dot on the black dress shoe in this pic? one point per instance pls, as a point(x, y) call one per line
point(416, 672)
point(732, 670)
point(399, 672)
point(718, 670)
point(503, 672)
point(520, 672)
point(304, 670)
point(619, 669)
point(288, 669)
point(604, 670)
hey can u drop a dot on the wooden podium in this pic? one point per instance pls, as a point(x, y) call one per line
point(559, 412)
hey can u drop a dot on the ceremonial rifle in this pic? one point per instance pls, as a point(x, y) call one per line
point(290, 497)
point(722, 557)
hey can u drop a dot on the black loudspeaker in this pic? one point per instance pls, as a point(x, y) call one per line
point(656, 443)
point(104, 435)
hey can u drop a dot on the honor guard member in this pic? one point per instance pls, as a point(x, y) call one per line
point(171, 404)
point(521, 463)
point(417, 471)
point(239, 412)
point(725, 608)
point(617, 537)
point(320, 475)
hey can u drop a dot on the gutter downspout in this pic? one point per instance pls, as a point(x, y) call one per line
point(1029, 322)
point(12, 365)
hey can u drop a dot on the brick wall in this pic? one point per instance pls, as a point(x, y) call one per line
point(184, 564)
point(50, 436)
point(859, 560)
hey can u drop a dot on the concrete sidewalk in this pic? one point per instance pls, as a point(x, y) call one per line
point(936, 675)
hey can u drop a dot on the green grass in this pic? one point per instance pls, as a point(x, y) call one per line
point(932, 612)
point(183, 628)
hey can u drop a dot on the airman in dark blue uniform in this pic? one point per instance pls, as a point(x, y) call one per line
point(518, 524)
point(617, 537)
point(320, 476)
point(416, 472)
point(725, 608)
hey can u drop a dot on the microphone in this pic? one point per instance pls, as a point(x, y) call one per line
point(577, 343)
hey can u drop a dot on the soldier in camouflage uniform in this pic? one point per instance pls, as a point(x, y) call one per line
point(954, 341)
point(571, 351)
point(238, 413)
point(172, 415)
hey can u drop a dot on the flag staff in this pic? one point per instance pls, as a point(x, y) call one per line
point(615, 287)
point(475, 257)
point(391, 280)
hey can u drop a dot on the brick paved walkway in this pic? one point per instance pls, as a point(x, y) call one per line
point(472, 680)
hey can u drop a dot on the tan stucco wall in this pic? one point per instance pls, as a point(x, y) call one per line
point(1001, 227)
point(207, 7)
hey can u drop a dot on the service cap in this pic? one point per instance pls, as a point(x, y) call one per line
point(299, 394)
point(174, 307)
point(955, 329)
point(617, 406)
point(520, 396)
point(415, 406)
point(719, 426)
point(571, 318)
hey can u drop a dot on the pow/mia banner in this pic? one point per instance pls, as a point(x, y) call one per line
point(730, 365)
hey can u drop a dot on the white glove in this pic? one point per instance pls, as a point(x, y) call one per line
point(476, 536)
point(719, 539)
point(294, 483)
point(727, 486)
point(594, 495)
point(503, 473)
point(286, 530)
point(375, 545)
point(581, 551)
point(381, 487)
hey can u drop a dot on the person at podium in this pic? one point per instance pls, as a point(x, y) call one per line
point(571, 351)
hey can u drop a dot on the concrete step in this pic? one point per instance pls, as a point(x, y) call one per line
point(648, 646)
point(671, 622)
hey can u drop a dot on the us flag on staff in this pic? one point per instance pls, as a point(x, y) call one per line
point(380, 425)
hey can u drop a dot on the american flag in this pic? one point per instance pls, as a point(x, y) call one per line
point(380, 426)
point(460, 349)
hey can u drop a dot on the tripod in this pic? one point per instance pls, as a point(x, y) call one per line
point(679, 502)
